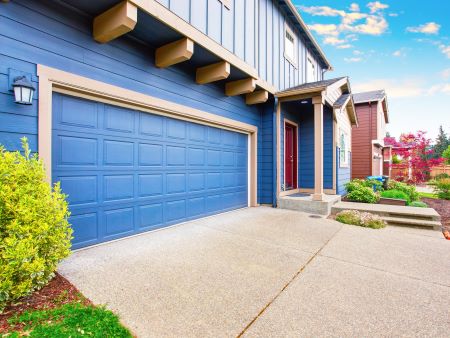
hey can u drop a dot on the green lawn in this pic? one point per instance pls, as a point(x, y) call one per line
point(68, 320)
point(427, 195)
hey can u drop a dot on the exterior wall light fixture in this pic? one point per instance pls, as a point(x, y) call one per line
point(23, 90)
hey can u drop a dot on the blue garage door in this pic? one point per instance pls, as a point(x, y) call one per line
point(127, 171)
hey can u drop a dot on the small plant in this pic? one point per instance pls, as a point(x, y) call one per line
point(408, 189)
point(34, 232)
point(446, 155)
point(441, 176)
point(363, 219)
point(442, 188)
point(363, 195)
point(418, 204)
point(398, 194)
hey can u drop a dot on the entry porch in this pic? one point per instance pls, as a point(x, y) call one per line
point(314, 124)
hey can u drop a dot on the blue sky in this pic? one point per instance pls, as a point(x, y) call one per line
point(402, 46)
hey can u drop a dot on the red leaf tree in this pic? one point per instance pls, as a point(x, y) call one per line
point(416, 156)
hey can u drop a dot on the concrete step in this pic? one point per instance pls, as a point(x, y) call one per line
point(400, 221)
point(395, 215)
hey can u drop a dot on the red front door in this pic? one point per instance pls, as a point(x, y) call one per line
point(290, 156)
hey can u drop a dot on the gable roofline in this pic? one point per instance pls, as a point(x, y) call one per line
point(373, 96)
point(301, 25)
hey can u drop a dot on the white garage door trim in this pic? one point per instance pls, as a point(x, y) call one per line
point(54, 80)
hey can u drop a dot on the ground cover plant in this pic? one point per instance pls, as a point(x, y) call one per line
point(408, 189)
point(398, 194)
point(418, 204)
point(363, 219)
point(59, 310)
point(34, 232)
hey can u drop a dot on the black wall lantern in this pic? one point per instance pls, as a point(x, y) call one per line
point(23, 90)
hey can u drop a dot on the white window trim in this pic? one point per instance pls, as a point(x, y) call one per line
point(226, 3)
point(345, 163)
point(287, 57)
point(310, 60)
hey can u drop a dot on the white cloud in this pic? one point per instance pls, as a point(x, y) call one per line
point(332, 40)
point(357, 52)
point(354, 7)
point(376, 6)
point(346, 46)
point(446, 73)
point(322, 29)
point(375, 25)
point(443, 88)
point(393, 14)
point(427, 28)
point(445, 49)
point(403, 88)
point(322, 11)
point(397, 53)
point(352, 59)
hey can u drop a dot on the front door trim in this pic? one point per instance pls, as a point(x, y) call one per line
point(295, 126)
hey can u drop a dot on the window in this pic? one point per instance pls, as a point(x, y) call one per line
point(343, 149)
point(311, 71)
point(290, 43)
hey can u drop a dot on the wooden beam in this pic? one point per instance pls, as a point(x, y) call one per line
point(239, 87)
point(258, 96)
point(214, 72)
point(174, 52)
point(116, 21)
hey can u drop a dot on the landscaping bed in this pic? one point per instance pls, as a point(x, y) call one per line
point(58, 309)
point(443, 209)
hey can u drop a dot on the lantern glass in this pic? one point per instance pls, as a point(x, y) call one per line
point(23, 91)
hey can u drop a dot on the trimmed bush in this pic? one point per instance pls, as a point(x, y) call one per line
point(408, 189)
point(363, 219)
point(442, 188)
point(363, 195)
point(418, 204)
point(34, 232)
point(398, 194)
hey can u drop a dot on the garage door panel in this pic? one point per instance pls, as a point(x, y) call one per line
point(119, 119)
point(127, 171)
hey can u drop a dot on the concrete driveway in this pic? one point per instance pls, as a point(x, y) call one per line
point(264, 272)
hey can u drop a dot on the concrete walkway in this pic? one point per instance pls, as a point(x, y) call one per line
point(266, 272)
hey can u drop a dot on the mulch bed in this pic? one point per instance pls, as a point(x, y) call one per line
point(443, 209)
point(59, 291)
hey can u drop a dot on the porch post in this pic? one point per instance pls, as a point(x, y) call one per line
point(318, 148)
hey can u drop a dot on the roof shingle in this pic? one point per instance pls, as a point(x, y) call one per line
point(375, 95)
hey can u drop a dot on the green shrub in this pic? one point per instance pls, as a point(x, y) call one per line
point(441, 176)
point(442, 188)
point(354, 184)
point(396, 194)
point(408, 189)
point(363, 219)
point(363, 195)
point(34, 232)
point(418, 204)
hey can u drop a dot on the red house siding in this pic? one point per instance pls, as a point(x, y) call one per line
point(362, 137)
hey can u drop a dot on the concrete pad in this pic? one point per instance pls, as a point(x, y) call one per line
point(286, 228)
point(331, 298)
point(186, 281)
point(393, 250)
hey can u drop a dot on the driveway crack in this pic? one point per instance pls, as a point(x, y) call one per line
point(260, 313)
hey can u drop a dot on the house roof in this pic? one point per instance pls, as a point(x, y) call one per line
point(295, 16)
point(341, 101)
point(373, 96)
point(309, 87)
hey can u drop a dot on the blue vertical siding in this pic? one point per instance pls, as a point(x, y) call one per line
point(328, 147)
point(254, 31)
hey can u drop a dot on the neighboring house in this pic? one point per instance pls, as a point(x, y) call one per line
point(371, 157)
point(153, 113)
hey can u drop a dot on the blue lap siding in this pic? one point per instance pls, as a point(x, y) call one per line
point(343, 174)
point(43, 32)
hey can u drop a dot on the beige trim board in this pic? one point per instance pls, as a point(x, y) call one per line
point(155, 9)
point(54, 80)
point(278, 150)
point(311, 191)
